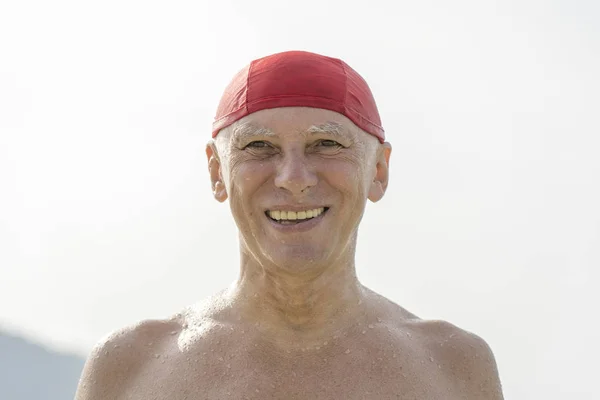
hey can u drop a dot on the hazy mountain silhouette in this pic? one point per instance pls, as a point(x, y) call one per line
point(29, 371)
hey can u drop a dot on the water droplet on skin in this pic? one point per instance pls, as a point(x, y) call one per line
point(173, 332)
point(431, 359)
point(363, 332)
point(394, 355)
point(378, 319)
point(228, 365)
point(220, 358)
point(347, 351)
point(257, 391)
point(371, 326)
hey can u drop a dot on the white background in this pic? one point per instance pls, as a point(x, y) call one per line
point(491, 220)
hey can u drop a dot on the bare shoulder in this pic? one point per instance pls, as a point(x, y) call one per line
point(467, 358)
point(119, 356)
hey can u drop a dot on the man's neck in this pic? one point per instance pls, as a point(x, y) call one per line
point(298, 308)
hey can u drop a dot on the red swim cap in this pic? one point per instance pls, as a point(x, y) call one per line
point(299, 79)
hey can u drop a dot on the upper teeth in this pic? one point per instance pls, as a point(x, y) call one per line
point(293, 215)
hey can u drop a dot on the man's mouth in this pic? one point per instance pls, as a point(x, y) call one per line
point(294, 217)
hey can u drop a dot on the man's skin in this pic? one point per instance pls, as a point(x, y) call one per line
point(297, 323)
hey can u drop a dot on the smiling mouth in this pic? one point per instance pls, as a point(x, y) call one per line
point(294, 217)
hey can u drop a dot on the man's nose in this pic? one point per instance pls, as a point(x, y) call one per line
point(295, 173)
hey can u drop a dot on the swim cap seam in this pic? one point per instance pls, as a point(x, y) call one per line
point(231, 113)
point(345, 85)
point(248, 85)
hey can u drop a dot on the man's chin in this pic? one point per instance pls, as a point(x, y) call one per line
point(299, 257)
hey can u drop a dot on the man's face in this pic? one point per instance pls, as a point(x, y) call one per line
point(298, 179)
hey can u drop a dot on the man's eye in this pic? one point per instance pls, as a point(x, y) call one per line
point(257, 144)
point(329, 143)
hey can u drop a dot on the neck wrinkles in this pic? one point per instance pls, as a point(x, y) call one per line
point(300, 307)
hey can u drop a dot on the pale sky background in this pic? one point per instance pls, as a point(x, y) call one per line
point(491, 221)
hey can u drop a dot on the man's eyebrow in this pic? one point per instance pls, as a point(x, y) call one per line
point(248, 130)
point(331, 128)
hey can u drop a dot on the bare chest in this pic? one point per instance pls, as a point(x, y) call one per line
point(359, 382)
point(363, 369)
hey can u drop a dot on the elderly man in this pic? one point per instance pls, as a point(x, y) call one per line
point(297, 148)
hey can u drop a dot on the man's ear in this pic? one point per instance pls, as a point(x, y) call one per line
point(214, 170)
point(380, 180)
